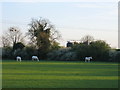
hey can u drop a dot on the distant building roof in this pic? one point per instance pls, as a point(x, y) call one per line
point(69, 44)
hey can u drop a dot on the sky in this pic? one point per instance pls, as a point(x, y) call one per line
point(72, 19)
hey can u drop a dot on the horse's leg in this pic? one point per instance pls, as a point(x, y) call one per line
point(89, 60)
point(37, 59)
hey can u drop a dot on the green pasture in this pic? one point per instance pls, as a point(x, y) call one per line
point(56, 74)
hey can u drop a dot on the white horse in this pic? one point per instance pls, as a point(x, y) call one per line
point(35, 58)
point(88, 59)
point(18, 58)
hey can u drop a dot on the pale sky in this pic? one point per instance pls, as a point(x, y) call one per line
point(72, 19)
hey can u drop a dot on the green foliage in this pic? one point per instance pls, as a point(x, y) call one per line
point(7, 53)
point(54, 46)
point(99, 50)
point(28, 52)
point(82, 50)
point(117, 58)
point(18, 45)
point(114, 55)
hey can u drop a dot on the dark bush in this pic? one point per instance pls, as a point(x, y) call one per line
point(7, 53)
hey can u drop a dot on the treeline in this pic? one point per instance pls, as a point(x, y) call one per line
point(99, 50)
point(43, 43)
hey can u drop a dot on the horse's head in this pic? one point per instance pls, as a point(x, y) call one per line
point(90, 57)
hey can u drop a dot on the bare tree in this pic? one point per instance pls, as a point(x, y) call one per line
point(87, 39)
point(5, 42)
point(12, 36)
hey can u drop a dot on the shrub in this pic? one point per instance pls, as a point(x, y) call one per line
point(7, 53)
point(63, 54)
point(117, 57)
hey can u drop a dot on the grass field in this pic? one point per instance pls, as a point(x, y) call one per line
point(56, 74)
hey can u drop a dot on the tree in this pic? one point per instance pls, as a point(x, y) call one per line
point(42, 34)
point(100, 50)
point(82, 50)
point(18, 45)
point(117, 58)
point(6, 53)
point(55, 46)
point(87, 39)
point(12, 36)
point(11, 41)
point(5, 41)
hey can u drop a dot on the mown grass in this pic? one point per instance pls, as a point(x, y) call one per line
point(56, 74)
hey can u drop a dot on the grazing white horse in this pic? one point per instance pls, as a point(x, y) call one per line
point(18, 58)
point(35, 58)
point(88, 59)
